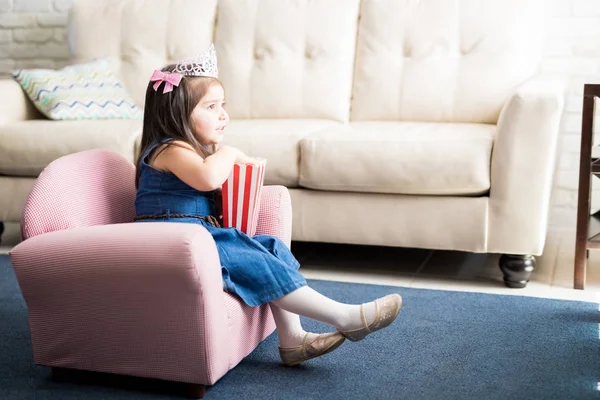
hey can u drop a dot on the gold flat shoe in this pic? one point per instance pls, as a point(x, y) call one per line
point(320, 345)
point(386, 311)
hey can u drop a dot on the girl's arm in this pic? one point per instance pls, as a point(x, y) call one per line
point(201, 174)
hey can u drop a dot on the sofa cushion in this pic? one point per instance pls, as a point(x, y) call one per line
point(277, 141)
point(81, 91)
point(287, 59)
point(142, 36)
point(27, 147)
point(399, 157)
point(278, 59)
point(444, 61)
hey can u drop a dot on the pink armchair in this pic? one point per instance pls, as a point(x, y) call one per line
point(108, 295)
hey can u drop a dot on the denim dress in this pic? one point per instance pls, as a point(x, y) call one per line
point(258, 269)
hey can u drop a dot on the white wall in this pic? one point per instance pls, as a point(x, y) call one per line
point(33, 34)
point(573, 52)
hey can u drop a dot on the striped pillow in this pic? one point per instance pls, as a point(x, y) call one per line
point(82, 91)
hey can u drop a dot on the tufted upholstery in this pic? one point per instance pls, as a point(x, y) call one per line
point(287, 58)
point(140, 35)
point(413, 123)
point(428, 60)
point(313, 54)
point(439, 60)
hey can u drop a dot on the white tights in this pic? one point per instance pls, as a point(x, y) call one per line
point(312, 304)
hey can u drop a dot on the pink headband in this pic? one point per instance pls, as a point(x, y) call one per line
point(169, 78)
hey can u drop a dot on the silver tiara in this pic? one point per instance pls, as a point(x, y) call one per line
point(204, 64)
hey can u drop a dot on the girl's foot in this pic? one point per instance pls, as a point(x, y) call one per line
point(386, 311)
point(313, 345)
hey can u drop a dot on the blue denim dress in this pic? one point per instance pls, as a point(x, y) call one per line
point(258, 269)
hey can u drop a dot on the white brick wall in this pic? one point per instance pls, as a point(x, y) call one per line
point(573, 53)
point(33, 34)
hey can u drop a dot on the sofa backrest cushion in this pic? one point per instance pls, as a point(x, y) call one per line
point(140, 35)
point(277, 58)
point(444, 61)
point(287, 58)
point(412, 60)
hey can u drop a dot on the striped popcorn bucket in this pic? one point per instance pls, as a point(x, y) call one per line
point(241, 197)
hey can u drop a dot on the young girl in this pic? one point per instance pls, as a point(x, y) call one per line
point(179, 175)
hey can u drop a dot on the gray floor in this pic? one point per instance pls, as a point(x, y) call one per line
point(450, 270)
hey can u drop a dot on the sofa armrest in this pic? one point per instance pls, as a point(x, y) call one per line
point(143, 299)
point(522, 167)
point(275, 215)
point(14, 103)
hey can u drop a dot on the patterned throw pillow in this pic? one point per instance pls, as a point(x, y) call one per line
point(81, 91)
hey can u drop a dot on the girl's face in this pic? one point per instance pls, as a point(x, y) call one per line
point(209, 117)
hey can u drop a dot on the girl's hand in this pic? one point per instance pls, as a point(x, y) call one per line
point(244, 159)
point(254, 161)
point(239, 156)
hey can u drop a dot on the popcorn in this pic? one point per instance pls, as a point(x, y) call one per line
point(241, 196)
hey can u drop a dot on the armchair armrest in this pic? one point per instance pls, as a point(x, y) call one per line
point(522, 167)
point(275, 215)
point(143, 299)
point(14, 103)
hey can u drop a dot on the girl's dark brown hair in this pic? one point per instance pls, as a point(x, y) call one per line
point(168, 115)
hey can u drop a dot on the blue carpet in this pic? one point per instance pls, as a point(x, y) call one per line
point(444, 345)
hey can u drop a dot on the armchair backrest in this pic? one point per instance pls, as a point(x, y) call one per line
point(92, 187)
point(345, 60)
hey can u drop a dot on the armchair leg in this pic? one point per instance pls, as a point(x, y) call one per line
point(1, 230)
point(517, 269)
point(189, 390)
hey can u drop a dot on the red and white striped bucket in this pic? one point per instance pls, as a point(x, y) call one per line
point(241, 196)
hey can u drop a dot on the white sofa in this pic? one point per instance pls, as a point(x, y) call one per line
point(418, 124)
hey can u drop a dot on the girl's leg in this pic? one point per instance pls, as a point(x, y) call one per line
point(289, 328)
point(309, 303)
point(312, 304)
point(355, 321)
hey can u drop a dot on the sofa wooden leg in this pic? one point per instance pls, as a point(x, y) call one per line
point(189, 390)
point(1, 230)
point(517, 269)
